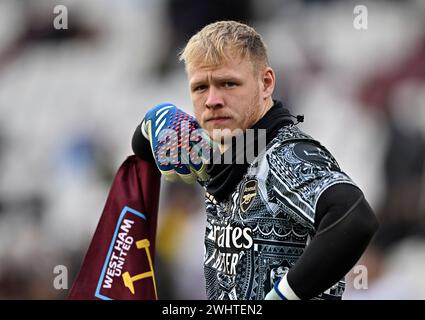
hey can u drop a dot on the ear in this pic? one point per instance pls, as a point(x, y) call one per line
point(268, 80)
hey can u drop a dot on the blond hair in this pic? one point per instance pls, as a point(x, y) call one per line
point(222, 40)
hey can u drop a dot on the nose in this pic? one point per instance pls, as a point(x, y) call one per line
point(214, 98)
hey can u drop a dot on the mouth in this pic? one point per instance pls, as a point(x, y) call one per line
point(217, 120)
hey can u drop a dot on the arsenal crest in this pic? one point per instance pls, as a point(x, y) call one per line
point(248, 193)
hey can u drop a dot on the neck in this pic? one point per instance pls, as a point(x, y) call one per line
point(268, 104)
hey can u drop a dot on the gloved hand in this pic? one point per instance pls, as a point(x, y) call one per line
point(179, 145)
point(273, 295)
point(281, 291)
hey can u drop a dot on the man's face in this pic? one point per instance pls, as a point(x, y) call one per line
point(226, 96)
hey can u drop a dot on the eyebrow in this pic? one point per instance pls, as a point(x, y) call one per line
point(218, 78)
point(227, 77)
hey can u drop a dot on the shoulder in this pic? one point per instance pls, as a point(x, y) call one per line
point(296, 147)
point(302, 168)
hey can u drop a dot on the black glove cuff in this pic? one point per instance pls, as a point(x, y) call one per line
point(141, 146)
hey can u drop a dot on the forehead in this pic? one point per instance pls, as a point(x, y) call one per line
point(231, 67)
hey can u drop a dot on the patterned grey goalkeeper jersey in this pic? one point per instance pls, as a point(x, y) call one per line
point(253, 238)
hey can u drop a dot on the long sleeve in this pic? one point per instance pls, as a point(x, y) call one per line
point(345, 225)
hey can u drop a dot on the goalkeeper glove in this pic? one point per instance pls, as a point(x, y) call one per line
point(179, 146)
point(281, 291)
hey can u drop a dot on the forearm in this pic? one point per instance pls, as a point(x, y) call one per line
point(341, 238)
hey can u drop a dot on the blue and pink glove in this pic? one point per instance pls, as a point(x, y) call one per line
point(180, 147)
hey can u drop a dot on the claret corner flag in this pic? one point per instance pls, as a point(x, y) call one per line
point(119, 262)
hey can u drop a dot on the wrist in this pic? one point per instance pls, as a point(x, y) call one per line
point(284, 290)
point(144, 130)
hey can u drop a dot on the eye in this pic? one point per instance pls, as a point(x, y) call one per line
point(229, 84)
point(199, 88)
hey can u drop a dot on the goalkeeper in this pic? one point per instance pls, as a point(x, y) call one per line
point(287, 224)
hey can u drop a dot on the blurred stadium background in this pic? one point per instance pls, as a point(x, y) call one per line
point(71, 99)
